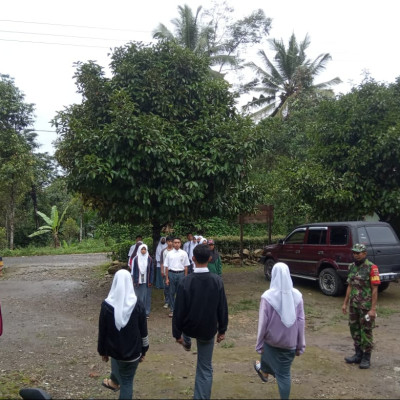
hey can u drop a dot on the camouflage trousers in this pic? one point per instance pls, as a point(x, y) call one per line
point(360, 329)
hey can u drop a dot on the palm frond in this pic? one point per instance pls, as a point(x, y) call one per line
point(319, 64)
point(46, 219)
point(162, 32)
point(37, 233)
point(54, 216)
point(63, 214)
point(332, 82)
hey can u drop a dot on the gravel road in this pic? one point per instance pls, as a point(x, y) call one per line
point(58, 261)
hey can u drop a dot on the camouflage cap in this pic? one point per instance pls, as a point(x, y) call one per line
point(359, 248)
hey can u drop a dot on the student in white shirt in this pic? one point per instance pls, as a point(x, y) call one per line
point(176, 268)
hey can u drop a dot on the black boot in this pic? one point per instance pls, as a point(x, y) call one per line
point(356, 358)
point(366, 361)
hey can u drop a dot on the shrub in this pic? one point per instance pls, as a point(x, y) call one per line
point(120, 250)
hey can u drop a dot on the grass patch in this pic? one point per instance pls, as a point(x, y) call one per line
point(386, 312)
point(11, 383)
point(86, 246)
point(312, 312)
point(236, 268)
point(244, 305)
point(100, 270)
point(227, 345)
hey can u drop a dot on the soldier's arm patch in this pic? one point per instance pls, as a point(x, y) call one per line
point(374, 275)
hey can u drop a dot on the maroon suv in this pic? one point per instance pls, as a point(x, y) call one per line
point(322, 251)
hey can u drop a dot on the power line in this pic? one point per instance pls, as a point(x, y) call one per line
point(74, 26)
point(58, 44)
point(43, 130)
point(67, 36)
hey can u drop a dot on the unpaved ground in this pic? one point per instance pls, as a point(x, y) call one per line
point(50, 336)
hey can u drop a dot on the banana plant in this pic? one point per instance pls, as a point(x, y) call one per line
point(53, 225)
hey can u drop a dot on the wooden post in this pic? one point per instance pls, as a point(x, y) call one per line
point(270, 215)
point(241, 241)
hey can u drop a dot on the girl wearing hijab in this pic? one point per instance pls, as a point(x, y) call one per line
point(280, 329)
point(122, 334)
point(215, 264)
point(162, 244)
point(143, 276)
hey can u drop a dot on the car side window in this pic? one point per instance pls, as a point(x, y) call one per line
point(339, 235)
point(316, 236)
point(381, 235)
point(296, 237)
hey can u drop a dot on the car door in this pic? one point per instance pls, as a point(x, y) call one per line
point(313, 250)
point(339, 246)
point(291, 249)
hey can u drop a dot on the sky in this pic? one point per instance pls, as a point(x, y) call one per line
point(360, 35)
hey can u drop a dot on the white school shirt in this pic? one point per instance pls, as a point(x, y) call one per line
point(176, 260)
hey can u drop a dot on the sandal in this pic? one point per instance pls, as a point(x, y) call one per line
point(257, 367)
point(107, 383)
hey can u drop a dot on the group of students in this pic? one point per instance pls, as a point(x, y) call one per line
point(171, 264)
point(200, 311)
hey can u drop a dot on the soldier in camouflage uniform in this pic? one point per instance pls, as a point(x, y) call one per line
point(362, 292)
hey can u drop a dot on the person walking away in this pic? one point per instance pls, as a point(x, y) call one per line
point(201, 312)
point(362, 295)
point(215, 264)
point(143, 275)
point(170, 247)
point(123, 334)
point(280, 329)
point(176, 268)
point(162, 244)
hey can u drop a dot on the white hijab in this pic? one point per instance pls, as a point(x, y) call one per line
point(142, 259)
point(281, 294)
point(122, 297)
point(160, 248)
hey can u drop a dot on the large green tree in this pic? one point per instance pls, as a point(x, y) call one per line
point(289, 74)
point(357, 139)
point(16, 158)
point(159, 141)
point(215, 33)
point(336, 159)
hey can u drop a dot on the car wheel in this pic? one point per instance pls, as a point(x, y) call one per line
point(268, 268)
point(383, 286)
point(330, 282)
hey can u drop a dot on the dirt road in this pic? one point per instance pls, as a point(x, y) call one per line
point(50, 337)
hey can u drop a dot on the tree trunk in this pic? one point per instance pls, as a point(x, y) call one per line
point(35, 208)
point(12, 218)
point(81, 227)
point(156, 229)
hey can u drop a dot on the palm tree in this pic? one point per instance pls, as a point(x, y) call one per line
point(53, 225)
point(188, 33)
point(291, 74)
point(200, 38)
